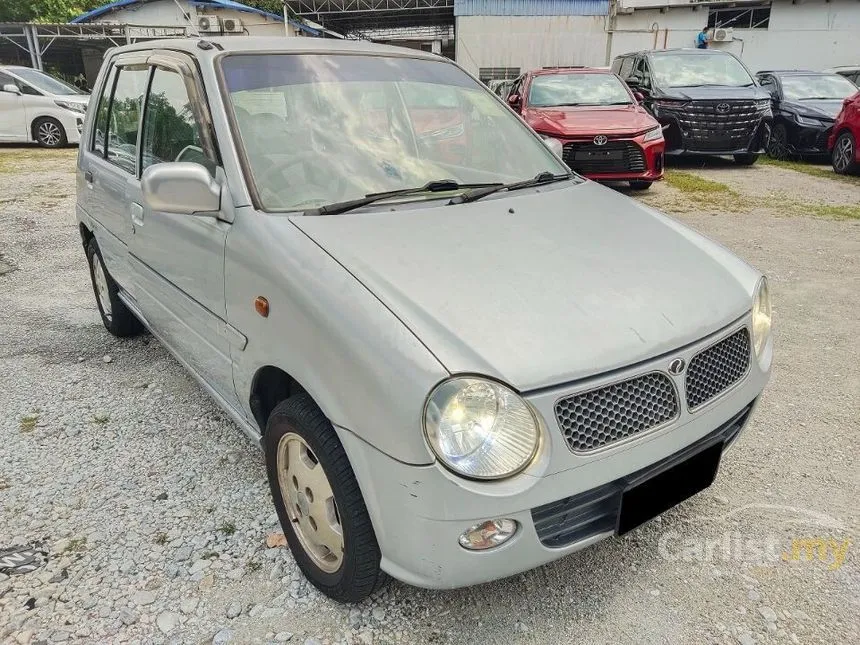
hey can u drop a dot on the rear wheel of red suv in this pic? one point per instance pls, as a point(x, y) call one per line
point(640, 185)
point(844, 156)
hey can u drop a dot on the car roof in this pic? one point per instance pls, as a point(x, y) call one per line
point(791, 72)
point(675, 50)
point(279, 44)
point(570, 70)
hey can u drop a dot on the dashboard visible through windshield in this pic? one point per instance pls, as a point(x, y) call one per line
point(318, 129)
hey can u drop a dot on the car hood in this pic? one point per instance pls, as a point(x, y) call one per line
point(83, 99)
point(820, 108)
point(713, 93)
point(578, 121)
point(543, 288)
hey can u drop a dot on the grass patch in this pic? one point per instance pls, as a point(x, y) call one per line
point(836, 212)
point(689, 183)
point(28, 422)
point(160, 538)
point(228, 528)
point(810, 169)
point(253, 565)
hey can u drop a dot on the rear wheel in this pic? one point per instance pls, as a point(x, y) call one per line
point(49, 133)
point(640, 185)
point(844, 156)
point(117, 318)
point(777, 144)
point(746, 159)
point(319, 503)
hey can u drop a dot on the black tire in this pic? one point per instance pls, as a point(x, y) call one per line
point(359, 574)
point(844, 155)
point(640, 185)
point(746, 159)
point(119, 321)
point(777, 143)
point(49, 133)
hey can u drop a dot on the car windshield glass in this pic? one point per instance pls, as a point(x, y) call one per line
point(696, 69)
point(810, 86)
point(577, 89)
point(322, 129)
point(47, 84)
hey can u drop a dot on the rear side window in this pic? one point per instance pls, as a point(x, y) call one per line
point(626, 67)
point(171, 131)
point(124, 116)
point(100, 127)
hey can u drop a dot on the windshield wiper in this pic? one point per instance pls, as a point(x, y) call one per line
point(820, 98)
point(478, 193)
point(437, 186)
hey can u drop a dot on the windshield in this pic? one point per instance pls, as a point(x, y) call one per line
point(689, 70)
point(45, 83)
point(577, 89)
point(809, 86)
point(320, 129)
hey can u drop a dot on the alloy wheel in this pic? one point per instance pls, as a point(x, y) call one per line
point(102, 293)
point(310, 503)
point(49, 133)
point(843, 153)
point(776, 145)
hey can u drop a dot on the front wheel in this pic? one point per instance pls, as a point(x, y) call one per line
point(777, 143)
point(640, 185)
point(319, 503)
point(746, 159)
point(49, 133)
point(116, 317)
point(844, 156)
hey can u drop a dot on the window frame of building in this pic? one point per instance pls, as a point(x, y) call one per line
point(746, 17)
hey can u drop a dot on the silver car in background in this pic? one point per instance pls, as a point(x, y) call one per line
point(461, 360)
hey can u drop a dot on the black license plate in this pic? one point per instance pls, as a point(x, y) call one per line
point(612, 155)
point(661, 492)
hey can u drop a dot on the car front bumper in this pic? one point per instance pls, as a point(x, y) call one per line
point(419, 511)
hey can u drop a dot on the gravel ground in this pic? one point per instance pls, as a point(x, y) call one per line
point(153, 510)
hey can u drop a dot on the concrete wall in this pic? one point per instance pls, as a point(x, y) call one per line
point(529, 42)
point(167, 13)
point(812, 34)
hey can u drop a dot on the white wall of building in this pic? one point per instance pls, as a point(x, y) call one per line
point(529, 42)
point(812, 34)
point(168, 13)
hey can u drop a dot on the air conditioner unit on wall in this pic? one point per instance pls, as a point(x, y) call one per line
point(723, 35)
point(208, 25)
point(233, 26)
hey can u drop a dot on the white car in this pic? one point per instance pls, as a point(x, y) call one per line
point(37, 107)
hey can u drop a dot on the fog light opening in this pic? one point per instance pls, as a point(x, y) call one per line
point(488, 535)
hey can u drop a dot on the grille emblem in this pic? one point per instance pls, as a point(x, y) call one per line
point(722, 108)
point(677, 366)
point(600, 140)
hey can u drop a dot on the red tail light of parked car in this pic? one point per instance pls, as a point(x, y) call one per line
point(605, 134)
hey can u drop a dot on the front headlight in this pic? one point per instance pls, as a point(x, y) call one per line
point(479, 428)
point(80, 108)
point(761, 317)
point(805, 120)
point(653, 135)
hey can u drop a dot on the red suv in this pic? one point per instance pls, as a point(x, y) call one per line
point(605, 133)
point(842, 144)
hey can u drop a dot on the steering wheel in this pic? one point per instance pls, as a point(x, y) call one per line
point(318, 189)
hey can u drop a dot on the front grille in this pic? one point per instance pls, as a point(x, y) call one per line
point(705, 128)
point(717, 368)
point(596, 511)
point(600, 417)
point(614, 156)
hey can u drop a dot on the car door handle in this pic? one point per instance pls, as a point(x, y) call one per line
point(136, 214)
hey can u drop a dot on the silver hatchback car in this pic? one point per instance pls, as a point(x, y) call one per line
point(461, 360)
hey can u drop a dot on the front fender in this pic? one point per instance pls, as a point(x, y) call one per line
point(362, 366)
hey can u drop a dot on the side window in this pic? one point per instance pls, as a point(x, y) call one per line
point(642, 71)
point(100, 126)
point(626, 67)
point(171, 131)
point(5, 79)
point(124, 116)
point(28, 89)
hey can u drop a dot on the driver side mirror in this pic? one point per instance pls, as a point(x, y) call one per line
point(514, 101)
point(181, 187)
point(639, 96)
point(11, 88)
